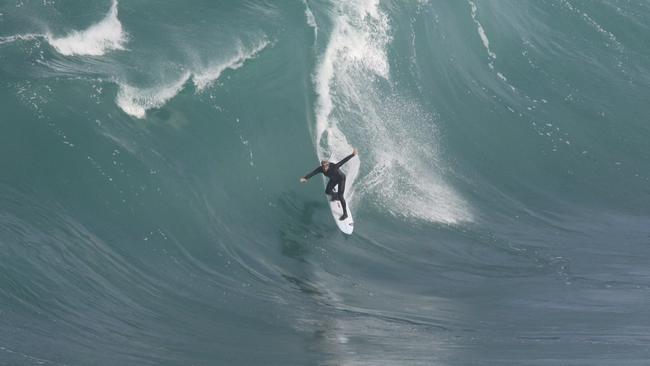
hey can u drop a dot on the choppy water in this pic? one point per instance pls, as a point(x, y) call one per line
point(150, 210)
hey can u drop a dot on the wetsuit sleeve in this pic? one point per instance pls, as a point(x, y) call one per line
point(340, 163)
point(314, 172)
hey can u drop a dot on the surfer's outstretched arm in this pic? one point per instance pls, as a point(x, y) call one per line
point(345, 160)
point(314, 172)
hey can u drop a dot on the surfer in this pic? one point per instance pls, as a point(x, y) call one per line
point(336, 177)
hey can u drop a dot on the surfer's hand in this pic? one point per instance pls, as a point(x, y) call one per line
point(303, 180)
point(355, 152)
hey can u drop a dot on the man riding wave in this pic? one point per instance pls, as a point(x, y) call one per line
point(336, 177)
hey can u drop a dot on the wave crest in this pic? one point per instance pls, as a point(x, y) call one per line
point(108, 34)
point(137, 101)
point(204, 78)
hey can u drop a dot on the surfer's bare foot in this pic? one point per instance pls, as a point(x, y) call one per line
point(343, 217)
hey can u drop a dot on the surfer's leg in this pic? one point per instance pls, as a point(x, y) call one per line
point(328, 189)
point(344, 205)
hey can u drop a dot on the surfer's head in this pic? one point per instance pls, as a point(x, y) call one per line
point(325, 165)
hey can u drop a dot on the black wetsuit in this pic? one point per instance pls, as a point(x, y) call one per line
point(337, 177)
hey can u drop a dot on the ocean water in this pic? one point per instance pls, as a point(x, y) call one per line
point(151, 214)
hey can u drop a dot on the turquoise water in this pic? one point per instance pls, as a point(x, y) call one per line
point(151, 214)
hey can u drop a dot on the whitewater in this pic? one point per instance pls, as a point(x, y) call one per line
point(151, 211)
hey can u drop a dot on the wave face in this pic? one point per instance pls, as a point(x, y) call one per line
point(150, 210)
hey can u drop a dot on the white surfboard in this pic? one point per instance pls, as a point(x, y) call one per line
point(347, 225)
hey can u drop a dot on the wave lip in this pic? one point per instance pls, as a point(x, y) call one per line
point(106, 35)
point(136, 101)
point(204, 78)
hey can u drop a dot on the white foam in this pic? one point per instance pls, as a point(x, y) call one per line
point(351, 80)
point(136, 101)
point(311, 20)
point(96, 40)
point(19, 37)
point(358, 39)
point(204, 78)
point(481, 32)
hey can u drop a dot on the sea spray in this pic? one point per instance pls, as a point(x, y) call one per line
point(359, 105)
